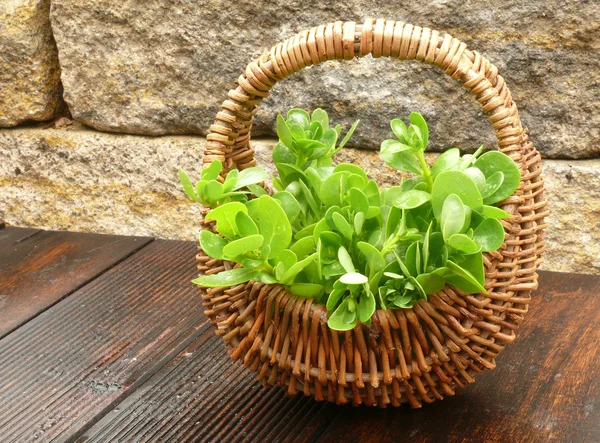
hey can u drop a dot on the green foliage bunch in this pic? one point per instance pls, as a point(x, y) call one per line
point(332, 234)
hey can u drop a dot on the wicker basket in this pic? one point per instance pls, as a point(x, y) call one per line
point(406, 355)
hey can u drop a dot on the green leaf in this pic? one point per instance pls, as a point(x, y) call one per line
point(242, 246)
point(394, 220)
point(342, 225)
point(464, 279)
point(250, 176)
point(359, 221)
point(266, 278)
point(493, 212)
point(187, 185)
point(212, 171)
point(319, 115)
point(225, 217)
point(310, 198)
point(272, 223)
point(283, 154)
point(375, 261)
point(402, 161)
point(329, 139)
point(299, 117)
point(392, 146)
point(290, 205)
point(303, 247)
point(290, 173)
point(213, 190)
point(354, 278)
point(418, 120)
point(492, 184)
point(412, 183)
point(290, 274)
point(446, 160)
point(452, 217)
point(212, 244)
point(230, 180)
point(342, 318)
point(426, 239)
point(410, 259)
point(283, 132)
point(494, 161)
point(431, 283)
point(345, 260)
point(463, 243)
point(358, 200)
point(315, 130)
point(307, 290)
point(489, 235)
point(353, 169)
point(372, 192)
point(245, 224)
point(348, 135)
point(332, 189)
point(412, 199)
point(226, 278)
point(366, 308)
point(477, 177)
point(400, 130)
point(454, 182)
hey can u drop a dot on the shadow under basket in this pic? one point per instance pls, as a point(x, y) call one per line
point(405, 355)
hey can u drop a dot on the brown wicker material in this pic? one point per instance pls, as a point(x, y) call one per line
point(406, 355)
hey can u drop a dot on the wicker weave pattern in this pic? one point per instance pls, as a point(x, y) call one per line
point(415, 355)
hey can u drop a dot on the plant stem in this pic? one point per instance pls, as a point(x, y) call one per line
point(426, 171)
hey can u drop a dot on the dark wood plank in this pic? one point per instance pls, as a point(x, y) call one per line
point(63, 370)
point(39, 268)
point(202, 395)
point(545, 387)
point(11, 236)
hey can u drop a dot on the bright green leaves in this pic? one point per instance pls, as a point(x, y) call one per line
point(407, 153)
point(242, 246)
point(452, 216)
point(226, 278)
point(350, 301)
point(272, 223)
point(331, 234)
point(490, 164)
point(250, 176)
point(455, 182)
point(211, 192)
point(489, 235)
point(212, 244)
point(284, 133)
point(307, 140)
point(412, 199)
point(225, 216)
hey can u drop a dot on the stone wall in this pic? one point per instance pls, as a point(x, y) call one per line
point(125, 92)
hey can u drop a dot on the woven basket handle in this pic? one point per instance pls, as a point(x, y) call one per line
point(229, 136)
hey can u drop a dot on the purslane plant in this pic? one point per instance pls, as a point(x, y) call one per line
point(332, 234)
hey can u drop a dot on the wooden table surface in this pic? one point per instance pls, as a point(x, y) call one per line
point(103, 339)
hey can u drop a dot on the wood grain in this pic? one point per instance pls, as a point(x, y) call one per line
point(66, 368)
point(38, 268)
point(544, 389)
point(202, 395)
point(129, 356)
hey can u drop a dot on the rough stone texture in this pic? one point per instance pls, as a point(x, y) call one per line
point(85, 180)
point(158, 67)
point(29, 71)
